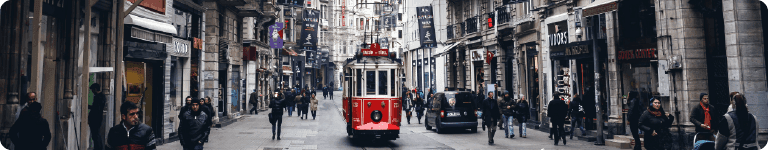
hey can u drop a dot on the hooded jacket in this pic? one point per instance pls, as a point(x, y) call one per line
point(30, 132)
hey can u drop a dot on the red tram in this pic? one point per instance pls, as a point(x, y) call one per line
point(372, 107)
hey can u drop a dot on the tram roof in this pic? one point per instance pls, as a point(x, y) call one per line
point(358, 60)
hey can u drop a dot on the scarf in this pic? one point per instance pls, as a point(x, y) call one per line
point(656, 113)
point(707, 117)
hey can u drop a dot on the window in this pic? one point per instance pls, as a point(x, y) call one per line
point(392, 83)
point(382, 82)
point(399, 33)
point(359, 82)
point(400, 16)
point(370, 82)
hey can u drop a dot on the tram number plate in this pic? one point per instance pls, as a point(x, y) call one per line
point(454, 114)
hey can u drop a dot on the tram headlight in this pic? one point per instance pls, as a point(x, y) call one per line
point(376, 115)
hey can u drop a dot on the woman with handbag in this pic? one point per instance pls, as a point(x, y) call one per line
point(655, 123)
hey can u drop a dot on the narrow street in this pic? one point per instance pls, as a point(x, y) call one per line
point(327, 132)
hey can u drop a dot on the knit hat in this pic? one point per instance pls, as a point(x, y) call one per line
point(35, 107)
point(702, 95)
point(194, 100)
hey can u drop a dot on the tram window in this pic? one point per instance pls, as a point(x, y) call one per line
point(382, 82)
point(358, 82)
point(392, 82)
point(370, 82)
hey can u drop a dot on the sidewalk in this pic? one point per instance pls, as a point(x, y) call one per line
point(254, 132)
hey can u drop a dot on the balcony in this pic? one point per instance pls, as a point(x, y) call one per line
point(471, 25)
point(503, 16)
point(449, 32)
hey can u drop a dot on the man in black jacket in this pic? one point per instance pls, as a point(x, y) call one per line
point(635, 111)
point(254, 101)
point(130, 133)
point(96, 116)
point(277, 103)
point(508, 109)
point(491, 115)
point(557, 111)
point(30, 131)
point(576, 113)
point(702, 115)
point(193, 129)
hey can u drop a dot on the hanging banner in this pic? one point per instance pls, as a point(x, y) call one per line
point(426, 27)
point(309, 30)
point(275, 35)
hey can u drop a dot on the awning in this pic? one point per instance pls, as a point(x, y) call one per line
point(449, 47)
point(289, 52)
point(556, 18)
point(150, 24)
point(599, 7)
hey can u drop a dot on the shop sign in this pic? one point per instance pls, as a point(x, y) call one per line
point(577, 50)
point(181, 48)
point(477, 55)
point(648, 53)
point(426, 26)
point(558, 39)
point(287, 68)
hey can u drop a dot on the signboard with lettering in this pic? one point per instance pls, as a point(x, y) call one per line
point(426, 27)
point(573, 50)
point(309, 30)
point(198, 43)
point(558, 39)
point(180, 48)
point(375, 50)
point(637, 54)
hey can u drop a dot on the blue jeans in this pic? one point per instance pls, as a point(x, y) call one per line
point(508, 121)
point(522, 129)
point(577, 121)
point(290, 110)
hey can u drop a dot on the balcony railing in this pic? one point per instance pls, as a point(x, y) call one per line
point(449, 32)
point(471, 25)
point(503, 16)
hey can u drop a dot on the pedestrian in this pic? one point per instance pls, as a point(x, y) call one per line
point(211, 113)
point(655, 122)
point(635, 111)
point(325, 92)
point(491, 115)
point(194, 128)
point(96, 116)
point(330, 91)
point(508, 109)
point(419, 105)
point(130, 134)
point(254, 102)
point(305, 100)
point(576, 112)
point(298, 100)
point(408, 105)
point(523, 115)
point(700, 115)
point(276, 104)
point(557, 111)
point(290, 104)
point(30, 131)
point(31, 98)
point(737, 130)
point(313, 106)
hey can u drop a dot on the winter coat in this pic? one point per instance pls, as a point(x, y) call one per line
point(636, 110)
point(407, 103)
point(96, 115)
point(418, 103)
point(298, 100)
point(491, 109)
point(512, 110)
point(574, 110)
point(289, 99)
point(650, 123)
point(697, 118)
point(277, 104)
point(138, 137)
point(523, 111)
point(194, 128)
point(30, 132)
point(313, 104)
point(557, 110)
point(733, 129)
point(254, 98)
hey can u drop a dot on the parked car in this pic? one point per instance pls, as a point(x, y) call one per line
point(451, 109)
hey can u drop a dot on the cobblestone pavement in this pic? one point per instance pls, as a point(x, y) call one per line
point(253, 132)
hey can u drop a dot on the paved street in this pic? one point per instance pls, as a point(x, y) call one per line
point(327, 132)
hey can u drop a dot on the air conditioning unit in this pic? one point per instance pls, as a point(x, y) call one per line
point(675, 63)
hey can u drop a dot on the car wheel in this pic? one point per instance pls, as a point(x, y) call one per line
point(438, 129)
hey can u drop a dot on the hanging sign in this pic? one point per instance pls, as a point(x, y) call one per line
point(309, 30)
point(426, 27)
point(275, 35)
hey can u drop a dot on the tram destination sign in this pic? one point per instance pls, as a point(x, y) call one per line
point(375, 50)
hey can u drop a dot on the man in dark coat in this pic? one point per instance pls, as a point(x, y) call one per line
point(508, 108)
point(96, 116)
point(254, 101)
point(576, 113)
point(633, 116)
point(30, 131)
point(194, 128)
point(289, 98)
point(557, 111)
point(187, 102)
point(130, 134)
point(277, 104)
point(491, 115)
point(703, 115)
